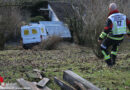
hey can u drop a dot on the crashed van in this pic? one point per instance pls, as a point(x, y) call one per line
point(32, 35)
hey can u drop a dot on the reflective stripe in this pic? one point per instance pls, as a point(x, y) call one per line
point(114, 53)
point(106, 57)
point(115, 38)
point(119, 23)
point(119, 30)
point(103, 52)
point(103, 34)
point(104, 47)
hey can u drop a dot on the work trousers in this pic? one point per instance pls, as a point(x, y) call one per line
point(106, 44)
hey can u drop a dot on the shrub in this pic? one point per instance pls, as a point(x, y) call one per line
point(37, 19)
point(49, 44)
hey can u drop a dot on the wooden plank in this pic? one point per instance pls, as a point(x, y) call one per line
point(27, 85)
point(8, 86)
point(43, 82)
point(30, 85)
point(33, 86)
point(63, 85)
point(46, 88)
point(71, 77)
point(79, 86)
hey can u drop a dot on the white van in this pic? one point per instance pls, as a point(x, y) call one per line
point(32, 34)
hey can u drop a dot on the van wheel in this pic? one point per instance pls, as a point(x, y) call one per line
point(25, 47)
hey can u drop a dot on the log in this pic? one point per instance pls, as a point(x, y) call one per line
point(63, 85)
point(71, 78)
point(43, 82)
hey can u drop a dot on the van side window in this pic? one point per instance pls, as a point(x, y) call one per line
point(26, 32)
point(42, 30)
point(34, 31)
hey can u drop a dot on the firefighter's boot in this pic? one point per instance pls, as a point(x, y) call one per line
point(113, 58)
point(109, 62)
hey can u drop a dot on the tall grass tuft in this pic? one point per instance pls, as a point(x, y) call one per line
point(49, 44)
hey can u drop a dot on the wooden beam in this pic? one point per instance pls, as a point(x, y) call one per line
point(30, 85)
point(79, 86)
point(43, 82)
point(26, 84)
point(71, 78)
point(63, 85)
point(46, 88)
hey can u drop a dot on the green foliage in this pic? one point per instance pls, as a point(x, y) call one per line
point(37, 19)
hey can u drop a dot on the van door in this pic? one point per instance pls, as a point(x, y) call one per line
point(25, 35)
point(31, 35)
point(35, 35)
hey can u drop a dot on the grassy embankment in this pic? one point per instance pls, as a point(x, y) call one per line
point(15, 63)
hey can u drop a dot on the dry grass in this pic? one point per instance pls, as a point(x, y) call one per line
point(15, 64)
point(50, 44)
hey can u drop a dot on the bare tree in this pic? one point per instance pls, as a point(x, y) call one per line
point(94, 14)
point(10, 20)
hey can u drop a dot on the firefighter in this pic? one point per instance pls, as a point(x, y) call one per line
point(116, 27)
